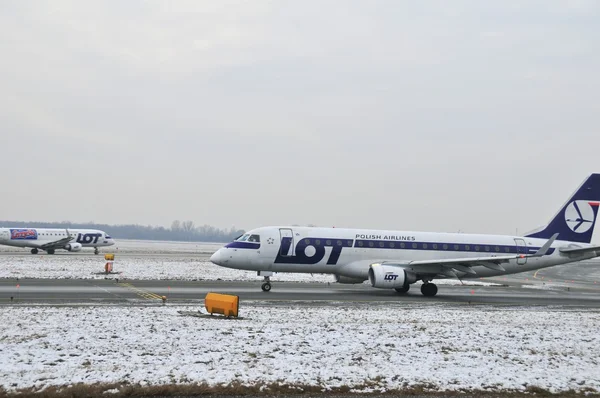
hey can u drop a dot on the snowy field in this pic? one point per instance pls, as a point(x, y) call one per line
point(367, 347)
point(145, 260)
point(143, 246)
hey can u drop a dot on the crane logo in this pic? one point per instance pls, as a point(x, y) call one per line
point(580, 216)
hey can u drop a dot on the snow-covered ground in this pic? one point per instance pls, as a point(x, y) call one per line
point(143, 246)
point(391, 345)
point(149, 268)
point(147, 260)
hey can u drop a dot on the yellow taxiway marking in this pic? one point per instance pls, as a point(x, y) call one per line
point(141, 292)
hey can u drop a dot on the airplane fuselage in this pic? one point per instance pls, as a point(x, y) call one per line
point(349, 252)
point(38, 238)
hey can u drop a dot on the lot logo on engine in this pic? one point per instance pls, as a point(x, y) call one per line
point(390, 277)
point(23, 234)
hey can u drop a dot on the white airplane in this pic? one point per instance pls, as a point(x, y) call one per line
point(397, 259)
point(50, 239)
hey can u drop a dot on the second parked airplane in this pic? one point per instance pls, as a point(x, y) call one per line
point(51, 239)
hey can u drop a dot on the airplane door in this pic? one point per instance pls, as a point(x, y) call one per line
point(4, 235)
point(287, 242)
point(521, 249)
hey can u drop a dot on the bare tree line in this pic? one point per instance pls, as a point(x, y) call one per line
point(179, 231)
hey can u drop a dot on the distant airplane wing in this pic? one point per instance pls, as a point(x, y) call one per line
point(57, 244)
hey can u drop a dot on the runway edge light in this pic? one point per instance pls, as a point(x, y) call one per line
point(226, 304)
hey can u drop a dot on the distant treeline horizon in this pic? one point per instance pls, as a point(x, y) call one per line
point(184, 231)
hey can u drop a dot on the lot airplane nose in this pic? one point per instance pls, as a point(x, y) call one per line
point(217, 257)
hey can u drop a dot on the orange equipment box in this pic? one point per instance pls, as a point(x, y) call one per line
point(225, 304)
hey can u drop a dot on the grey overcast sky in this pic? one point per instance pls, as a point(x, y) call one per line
point(479, 116)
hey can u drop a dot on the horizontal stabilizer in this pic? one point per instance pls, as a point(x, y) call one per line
point(580, 250)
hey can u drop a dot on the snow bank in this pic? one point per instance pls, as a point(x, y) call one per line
point(393, 345)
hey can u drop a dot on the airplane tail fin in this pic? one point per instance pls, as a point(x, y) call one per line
point(576, 219)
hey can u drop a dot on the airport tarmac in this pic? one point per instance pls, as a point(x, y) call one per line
point(132, 292)
point(574, 285)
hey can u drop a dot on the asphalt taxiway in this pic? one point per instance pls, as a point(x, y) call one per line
point(131, 292)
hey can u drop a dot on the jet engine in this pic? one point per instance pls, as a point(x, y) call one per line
point(390, 277)
point(73, 247)
point(346, 280)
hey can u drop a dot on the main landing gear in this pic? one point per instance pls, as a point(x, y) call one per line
point(34, 251)
point(429, 289)
point(403, 289)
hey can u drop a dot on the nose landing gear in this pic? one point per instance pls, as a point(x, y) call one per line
point(266, 286)
point(96, 251)
point(34, 251)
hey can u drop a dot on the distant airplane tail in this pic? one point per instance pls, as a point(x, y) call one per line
point(576, 219)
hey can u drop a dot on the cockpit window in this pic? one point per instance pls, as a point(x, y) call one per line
point(254, 238)
point(108, 237)
point(243, 238)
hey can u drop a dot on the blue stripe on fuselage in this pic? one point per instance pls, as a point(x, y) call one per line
point(243, 245)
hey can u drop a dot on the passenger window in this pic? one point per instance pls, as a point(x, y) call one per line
point(424, 245)
point(402, 245)
point(467, 247)
point(414, 245)
point(370, 244)
point(360, 243)
point(487, 248)
point(476, 248)
point(445, 246)
point(317, 242)
point(455, 247)
point(381, 244)
point(497, 249)
point(392, 245)
point(328, 242)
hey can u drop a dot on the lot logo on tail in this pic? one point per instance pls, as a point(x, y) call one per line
point(580, 216)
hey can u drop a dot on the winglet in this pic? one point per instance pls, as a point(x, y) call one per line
point(544, 249)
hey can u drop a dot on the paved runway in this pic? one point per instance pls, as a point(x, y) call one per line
point(109, 291)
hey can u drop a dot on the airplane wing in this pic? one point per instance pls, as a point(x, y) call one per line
point(448, 267)
point(57, 244)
